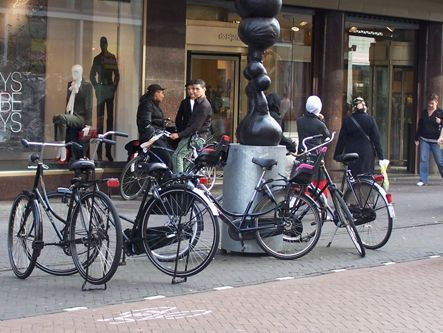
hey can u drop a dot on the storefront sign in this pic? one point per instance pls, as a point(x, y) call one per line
point(10, 102)
point(213, 35)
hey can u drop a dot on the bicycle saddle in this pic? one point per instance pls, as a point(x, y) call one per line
point(267, 163)
point(82, 165)
point(346, 158)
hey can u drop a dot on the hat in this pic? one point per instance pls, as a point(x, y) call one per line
point(153, 88)
point(357, 100)
point(313, 105)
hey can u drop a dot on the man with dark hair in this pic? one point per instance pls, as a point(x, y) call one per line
point(199, 124)
point(185, 109)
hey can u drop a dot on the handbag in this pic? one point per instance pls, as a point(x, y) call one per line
point(364, 133)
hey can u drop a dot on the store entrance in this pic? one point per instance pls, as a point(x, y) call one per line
point(383, 74)
point(221, 74)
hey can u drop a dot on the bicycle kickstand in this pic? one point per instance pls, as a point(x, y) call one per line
point(333, 235)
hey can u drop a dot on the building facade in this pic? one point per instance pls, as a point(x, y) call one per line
point(389, 52)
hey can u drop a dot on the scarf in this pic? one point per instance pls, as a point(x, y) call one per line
point(74, 88)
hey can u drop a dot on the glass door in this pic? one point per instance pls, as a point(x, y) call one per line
point(221, 73)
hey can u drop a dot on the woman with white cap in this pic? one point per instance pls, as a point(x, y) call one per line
point(311, 123)
point(359, 134)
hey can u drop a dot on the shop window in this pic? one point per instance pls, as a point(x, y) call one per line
point(40, 41)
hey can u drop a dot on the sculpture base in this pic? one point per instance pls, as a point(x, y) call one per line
point(240, 176)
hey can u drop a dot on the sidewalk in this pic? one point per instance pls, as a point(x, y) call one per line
point(418, 230)
point(396, 298)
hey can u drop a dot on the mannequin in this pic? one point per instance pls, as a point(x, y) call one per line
point(78, 112)
point(104, 76)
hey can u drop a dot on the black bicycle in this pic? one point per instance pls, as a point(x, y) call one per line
point(75, 229)
point(133, 179)
point(340, 212)
point(176, 225)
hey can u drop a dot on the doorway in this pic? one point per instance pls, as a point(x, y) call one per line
point(383, 74)
point(221, 74)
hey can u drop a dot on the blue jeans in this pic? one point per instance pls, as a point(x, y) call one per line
point(425, 148)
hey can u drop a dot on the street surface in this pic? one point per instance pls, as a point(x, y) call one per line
point(313, 293)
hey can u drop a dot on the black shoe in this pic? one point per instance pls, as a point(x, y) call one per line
point(109, 157)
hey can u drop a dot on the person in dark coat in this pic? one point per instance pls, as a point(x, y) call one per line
point(199, 124)
point(150, 118)
point(185, 109)
point(311, 123)
point(274, 102)
point(364, 141)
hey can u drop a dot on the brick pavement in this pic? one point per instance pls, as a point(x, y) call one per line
point(417, 235)
point(395, 298)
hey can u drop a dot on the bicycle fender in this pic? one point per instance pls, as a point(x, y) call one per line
point(211, 205)
point(390, 206)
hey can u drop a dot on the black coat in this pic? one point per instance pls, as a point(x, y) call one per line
point(82, 102)
point(352, 140)
point(149, 118)
point(200, 120)
point(309, 125)
point(183, 114)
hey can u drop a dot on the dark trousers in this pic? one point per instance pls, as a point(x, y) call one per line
point(63, 121)
point(109, 103)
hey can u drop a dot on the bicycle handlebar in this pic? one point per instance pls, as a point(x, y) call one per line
point(155, 137)
point(27, 144)
point(307, 151)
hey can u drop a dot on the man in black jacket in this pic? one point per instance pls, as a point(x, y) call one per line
point(150, 118)
point(185, 109)
point(199, 124)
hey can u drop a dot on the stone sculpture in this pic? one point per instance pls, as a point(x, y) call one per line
point(259, 30)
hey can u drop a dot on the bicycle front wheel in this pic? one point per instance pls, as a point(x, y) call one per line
point(180, 232)
point(370, 210)
point(95, 236)
point(290, 229)
point(133, 179)
point(23, 232)
point(346, 219)
point(55, 257)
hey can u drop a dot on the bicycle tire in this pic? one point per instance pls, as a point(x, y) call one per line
point(55, 257)
point(370, 210)
point(98, 244)
point(295, 231)
point(179, 217)
point(23, 230)
point(347, 220)
point(133, 179)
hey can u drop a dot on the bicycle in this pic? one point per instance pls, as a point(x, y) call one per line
point(133, 179)
point(340, 214)
point(286, 226)
point(178, 213)
point(42, 234)
point(368, 203)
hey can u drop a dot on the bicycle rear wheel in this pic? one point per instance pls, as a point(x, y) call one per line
point(370, 210)
point(133, 179)
point(95, 236)
point(291, 230)
point(211, 174)
point(55, 257)
point(23, 232)
point(347, 220)
point(180, 232)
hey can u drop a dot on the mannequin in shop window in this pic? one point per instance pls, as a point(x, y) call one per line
point(78, 113)
point(105, 76)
